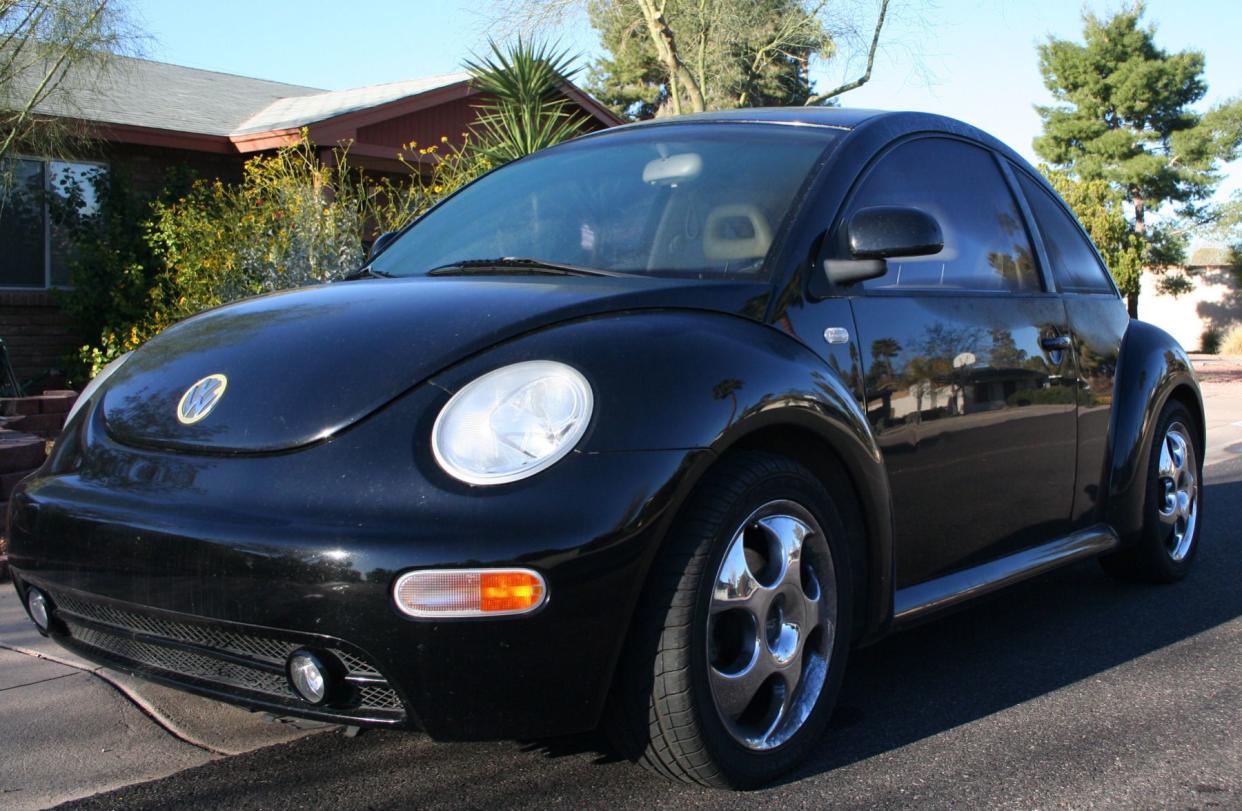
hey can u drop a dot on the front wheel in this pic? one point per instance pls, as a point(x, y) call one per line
point(737, 653)
point(1169, 539)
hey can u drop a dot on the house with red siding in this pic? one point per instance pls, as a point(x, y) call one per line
point(149, 117)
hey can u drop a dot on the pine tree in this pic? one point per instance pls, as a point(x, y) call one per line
point(1123, 115)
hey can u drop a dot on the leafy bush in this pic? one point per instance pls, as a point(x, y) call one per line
point(1232, 342)
point(111, 262)
point(433, 173)
point(143, 264)
point(1209, 342)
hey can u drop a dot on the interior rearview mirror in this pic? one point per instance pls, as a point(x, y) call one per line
point(673, 169)
point(878, 233)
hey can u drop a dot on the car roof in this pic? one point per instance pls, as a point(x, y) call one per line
point(883, 125)
point(838, 117)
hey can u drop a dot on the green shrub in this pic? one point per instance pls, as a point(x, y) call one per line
point(142, 263)
point(291, 222)
point(112, 266)
point(1231, 344)
point(1209, 342)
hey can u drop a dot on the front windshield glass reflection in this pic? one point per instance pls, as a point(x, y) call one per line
point(692, 201)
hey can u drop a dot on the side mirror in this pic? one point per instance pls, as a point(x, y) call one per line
point(381, 242)
point(879, 233)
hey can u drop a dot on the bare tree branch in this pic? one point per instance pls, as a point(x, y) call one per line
point(820, 98)
point(51, 53)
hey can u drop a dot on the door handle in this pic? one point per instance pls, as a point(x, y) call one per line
point(1055, 343)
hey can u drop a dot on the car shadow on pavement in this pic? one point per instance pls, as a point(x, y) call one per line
point(1022, 643)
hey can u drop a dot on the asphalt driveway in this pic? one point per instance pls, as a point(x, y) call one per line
point(1069, 691)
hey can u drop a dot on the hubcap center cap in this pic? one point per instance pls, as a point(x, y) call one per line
point(783, 634)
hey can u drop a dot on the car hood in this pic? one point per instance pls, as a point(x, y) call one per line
point(305, 364)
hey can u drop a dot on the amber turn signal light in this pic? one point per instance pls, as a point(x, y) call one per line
point(469, 592)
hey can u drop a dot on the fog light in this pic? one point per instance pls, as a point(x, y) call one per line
point(309, 676)
point(469, 592)
point(40, 608)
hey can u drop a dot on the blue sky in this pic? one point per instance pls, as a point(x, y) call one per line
point(971, 59)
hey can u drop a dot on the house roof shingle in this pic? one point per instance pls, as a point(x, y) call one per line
point(143, 93)
point(156, 95)
point(300, 110)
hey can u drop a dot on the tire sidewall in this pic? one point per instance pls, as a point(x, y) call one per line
point(1153, 541)
point(744, 767)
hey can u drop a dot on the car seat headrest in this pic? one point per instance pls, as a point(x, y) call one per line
point(736, 231)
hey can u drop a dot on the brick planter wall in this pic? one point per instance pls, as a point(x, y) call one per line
point(36, 332)
point(30, 423)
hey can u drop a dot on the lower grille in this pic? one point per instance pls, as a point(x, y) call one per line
point(218, 655)
point(182, 661)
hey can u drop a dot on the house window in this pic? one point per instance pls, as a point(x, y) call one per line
point(38, 252)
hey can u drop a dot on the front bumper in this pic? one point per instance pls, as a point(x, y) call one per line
point(204, 572)
point(227, 661)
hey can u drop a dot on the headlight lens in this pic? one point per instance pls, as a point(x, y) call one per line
point(512, 423)
point(93, 386)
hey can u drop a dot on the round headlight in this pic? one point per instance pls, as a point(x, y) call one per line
point(512, 423)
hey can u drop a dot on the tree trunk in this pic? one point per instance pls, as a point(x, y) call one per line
point(1140, 228)
point(666, 48)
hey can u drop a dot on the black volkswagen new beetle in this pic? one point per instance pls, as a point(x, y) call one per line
point(646, 430)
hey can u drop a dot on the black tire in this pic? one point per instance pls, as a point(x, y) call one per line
point(662, 713)
point(1151, 557)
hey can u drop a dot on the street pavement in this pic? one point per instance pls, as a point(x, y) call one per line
point(69, 728)
point(1069, 691)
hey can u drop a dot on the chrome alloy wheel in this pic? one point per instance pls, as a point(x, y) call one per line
point(1177, 490)
point(771, 625)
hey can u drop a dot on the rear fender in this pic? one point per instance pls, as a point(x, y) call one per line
point(1151, 366)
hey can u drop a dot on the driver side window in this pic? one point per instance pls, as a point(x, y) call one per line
point(986, 247)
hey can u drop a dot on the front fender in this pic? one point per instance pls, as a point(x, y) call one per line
point(685, 379)
point(1150, 367)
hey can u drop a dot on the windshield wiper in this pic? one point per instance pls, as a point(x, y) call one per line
point(516, 264)
point(367, 272)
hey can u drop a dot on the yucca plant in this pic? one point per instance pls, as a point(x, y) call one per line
point(524, 109)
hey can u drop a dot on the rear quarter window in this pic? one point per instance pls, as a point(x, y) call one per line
point(1075, 266)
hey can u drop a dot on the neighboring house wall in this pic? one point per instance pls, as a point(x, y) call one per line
point(149, 166)
point(1215, 302)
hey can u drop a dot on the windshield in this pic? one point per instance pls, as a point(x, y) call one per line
point(693, 201)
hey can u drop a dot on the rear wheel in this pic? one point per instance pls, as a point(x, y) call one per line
point(1169, 540)
point(737, 653)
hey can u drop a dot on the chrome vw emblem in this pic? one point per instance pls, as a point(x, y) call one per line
point(201, 398)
